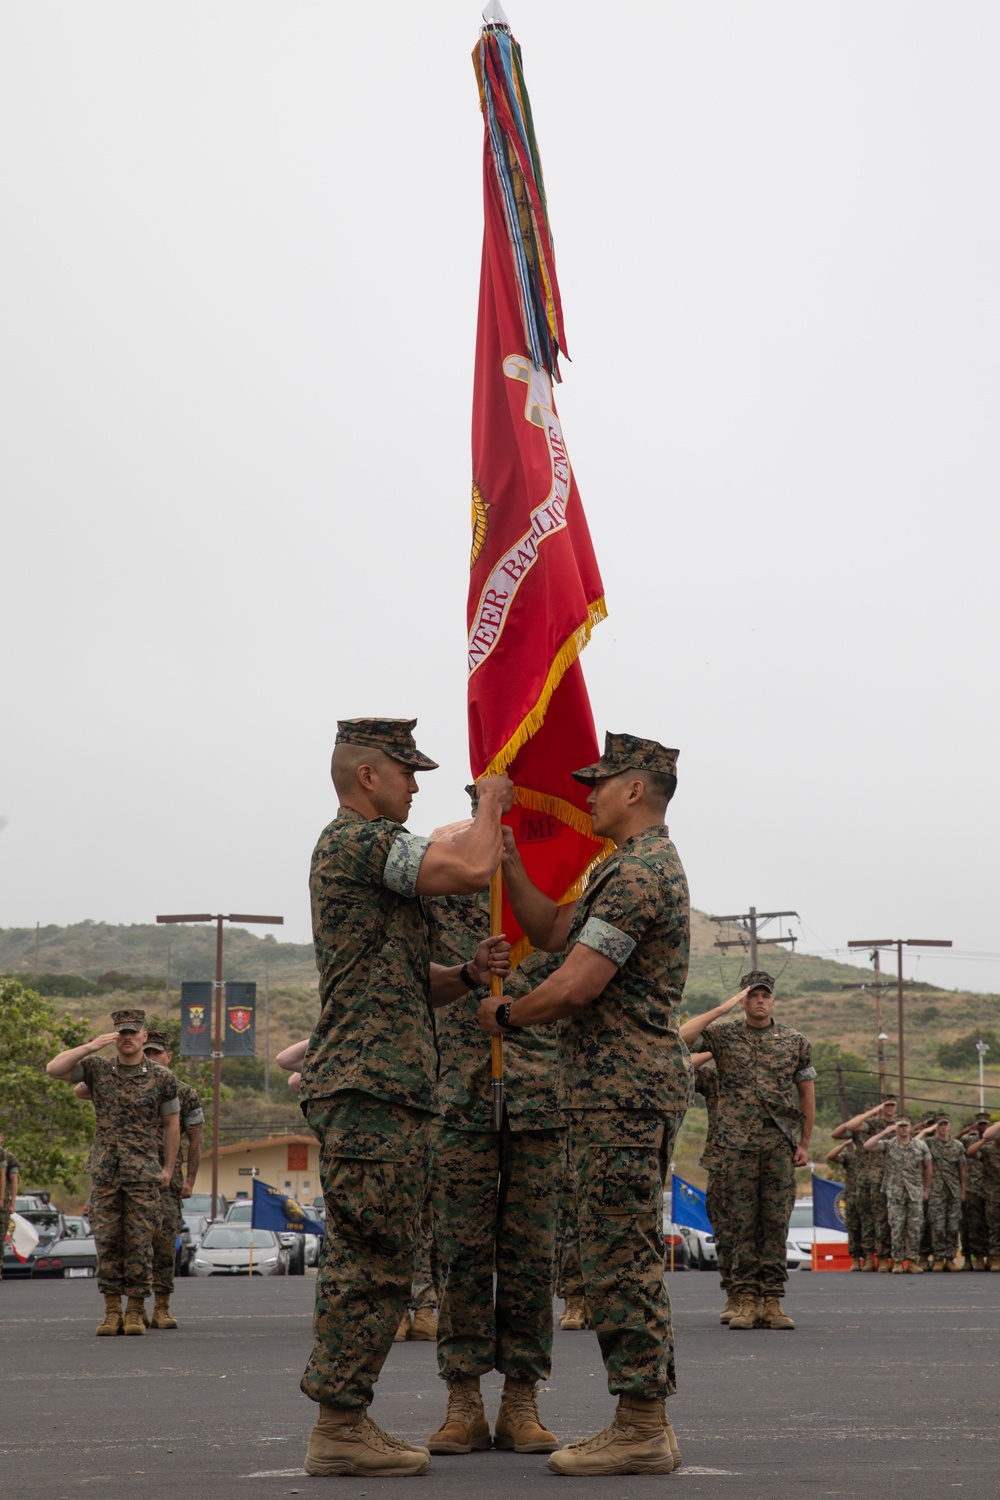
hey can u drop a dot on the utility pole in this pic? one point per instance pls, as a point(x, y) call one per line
point(982, 1048)
point(267, 1037)
point(166, 989)
point(749, 923)
point(217, 1052)
point(879, 1028)
point(899, 944)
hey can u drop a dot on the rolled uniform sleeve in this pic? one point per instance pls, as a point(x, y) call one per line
point(607, 939)
point(170, 1107)
point(805, 1069)
point(195, 1117)
point(403, 863)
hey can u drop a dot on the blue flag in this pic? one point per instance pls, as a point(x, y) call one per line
point(687, 1205)
point(274, 1210)
point(828, 1204)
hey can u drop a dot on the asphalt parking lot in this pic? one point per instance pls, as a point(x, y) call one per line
point(887, 1388)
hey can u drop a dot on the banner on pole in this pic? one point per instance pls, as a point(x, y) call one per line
point(196, 1018)
point(241, 1020)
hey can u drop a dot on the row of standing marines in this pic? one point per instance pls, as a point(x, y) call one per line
point(396, 1086)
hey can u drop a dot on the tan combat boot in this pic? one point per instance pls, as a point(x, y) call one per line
point(465, 1426)
point(773, 1316)
point(897, 1269)
point(346, 1441)
point(915, 1269)
point(995, 1262)
point(869, 1263)
point(425, 1325)
point(885, 1262)
point(574, 1315)
point(748, 1314)
point(937, 1265)
point(111, 1323)
point(403, 1331)
point(949, 1264)
point(731, 1308)
point(856, 1263)
point(925, 1262)
point(635, 1443)
point(518, 1425)
point(162, 1316)
point(135, 1316)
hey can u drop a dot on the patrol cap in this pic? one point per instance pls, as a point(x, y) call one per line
point(757, 979)
point(942, 1120)
point(627, 752)
point(889, 1099)
point(903, 1120)
point(393, 736)
point(128, 1020)
point(156, 1041)
point(983, 1114)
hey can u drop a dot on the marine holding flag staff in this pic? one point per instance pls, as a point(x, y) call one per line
point(626, 1079)
point(368, 1076)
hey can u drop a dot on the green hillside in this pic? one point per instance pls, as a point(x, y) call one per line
point(91, 968)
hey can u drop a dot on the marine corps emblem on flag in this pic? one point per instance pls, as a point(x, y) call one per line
point(196, 1018)
point(239, 1020)
point(839, 1209)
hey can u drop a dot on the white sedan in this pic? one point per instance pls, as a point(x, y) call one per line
point(802, 1234)
point(225, 1251)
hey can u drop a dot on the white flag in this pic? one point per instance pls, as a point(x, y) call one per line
point(22, 1236)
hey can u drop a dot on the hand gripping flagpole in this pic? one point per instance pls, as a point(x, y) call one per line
point(496, 989)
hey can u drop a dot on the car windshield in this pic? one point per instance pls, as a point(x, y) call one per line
point(802, 1218)
point(239, 1213)
point(199, 1203)
point(46, 1222)
point(224, 1237)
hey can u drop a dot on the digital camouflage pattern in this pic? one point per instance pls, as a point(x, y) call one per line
point(706, 1083)
point(130, 1105)
point(944, 1207)
point(374, 1034)
point(628, 752)
point(569, 1272)
point(759, 1070)
point(393, 736)
point(620, 1160)
point(425, 1286)
point(875, 1235)
point(989, 1156)
point(975, 1234)
point(850, 1165)
point(623, 1051)
point(757, 1186)
point(125, 1218)
point(457, 925)
point(172, 1213)
point(496, 1197)
point(373, 1164)
point(904, 1167)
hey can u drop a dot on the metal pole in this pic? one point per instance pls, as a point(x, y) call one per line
point(267, 1039)
point(496, 988)
point(166, 995)
point(899, 1008)
point(753, 937)
point(982, 1048)
point(217, 1065)
point(878, 1022)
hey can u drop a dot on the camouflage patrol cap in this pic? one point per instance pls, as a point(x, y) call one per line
point(889, 1099)
point(156, 1041)
point(393, 736)
point(128, 1020)
point(757, 979)
point(627, 752)
point(983, 1114)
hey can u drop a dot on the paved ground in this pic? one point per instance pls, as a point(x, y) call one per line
point(887, 1388)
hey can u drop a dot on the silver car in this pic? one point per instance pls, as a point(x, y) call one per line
point(225, 1251)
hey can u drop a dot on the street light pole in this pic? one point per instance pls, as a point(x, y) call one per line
point(218, 918)
point(982, 1048)
point(899, 944)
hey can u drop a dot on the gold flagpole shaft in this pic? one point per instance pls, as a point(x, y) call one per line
point(496, 989)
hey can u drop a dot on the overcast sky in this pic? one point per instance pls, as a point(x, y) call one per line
point(239, 294)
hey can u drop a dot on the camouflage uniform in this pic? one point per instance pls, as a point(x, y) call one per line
point(627, 1081)
point(368, 1081)
point(851, 1164)
point(944, 1206)
point(975, 1235)
point(130, 1105)
point(756, 1136)
point(569, 1273)
point(171, 1217)
point(989, 1155)
point(904, 1188)
point(875, 1237)
point(496, 1193)
point(706, 1083)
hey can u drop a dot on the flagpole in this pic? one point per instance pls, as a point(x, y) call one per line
point(496, 989)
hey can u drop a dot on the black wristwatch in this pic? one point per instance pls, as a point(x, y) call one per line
point(502, 1017)
point(467, 979)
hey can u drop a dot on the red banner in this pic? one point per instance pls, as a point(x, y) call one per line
point(535, 590)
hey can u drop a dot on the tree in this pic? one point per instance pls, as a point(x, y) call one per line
point(962, 1052)
point(860, 1083)
point(48, 1128)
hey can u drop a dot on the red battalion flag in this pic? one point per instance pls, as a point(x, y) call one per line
point(534, 591)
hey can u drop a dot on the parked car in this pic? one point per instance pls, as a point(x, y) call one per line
point(29, 1203)
point(675, 1243)
point(65, 1247)
point(184, 1248)
point(225, 1251)
point(802, 1234)
point(201, 1203)
point(702, 1248)
point(240, 1213)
